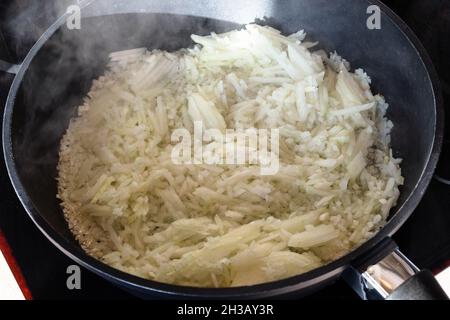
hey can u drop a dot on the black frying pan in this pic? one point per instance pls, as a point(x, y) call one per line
point(59, 69)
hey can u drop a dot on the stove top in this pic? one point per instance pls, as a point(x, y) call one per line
point(425, 238)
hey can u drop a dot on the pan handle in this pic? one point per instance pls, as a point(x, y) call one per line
point(422, 286)
point(7, 74)
point(9, 67)
point(392, 277)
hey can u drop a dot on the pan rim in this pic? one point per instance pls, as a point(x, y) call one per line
point(284, 286)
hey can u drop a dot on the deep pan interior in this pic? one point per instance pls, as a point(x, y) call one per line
point(61, 74)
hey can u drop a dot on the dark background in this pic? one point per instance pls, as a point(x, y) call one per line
point(425, 238)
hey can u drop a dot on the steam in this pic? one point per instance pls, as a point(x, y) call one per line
point(26, 21)
point(62, 72)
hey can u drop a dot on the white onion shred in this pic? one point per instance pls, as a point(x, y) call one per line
point(203, 225)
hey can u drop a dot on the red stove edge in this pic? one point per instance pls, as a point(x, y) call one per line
point(11, 261)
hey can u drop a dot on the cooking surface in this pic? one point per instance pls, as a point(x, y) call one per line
point(425, 238)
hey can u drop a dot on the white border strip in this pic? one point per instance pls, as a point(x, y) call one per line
point(9, 289)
